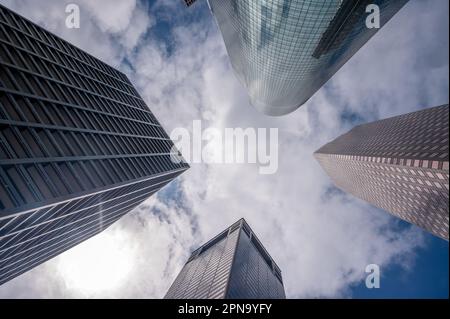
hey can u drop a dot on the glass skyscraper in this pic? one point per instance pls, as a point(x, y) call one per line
point(232, 265)
point(400, 164)
point(283, 51)
point(79, 148)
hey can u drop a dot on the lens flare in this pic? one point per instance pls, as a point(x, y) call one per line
point(99, 264)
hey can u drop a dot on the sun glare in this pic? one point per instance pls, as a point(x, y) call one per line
point(99, 264)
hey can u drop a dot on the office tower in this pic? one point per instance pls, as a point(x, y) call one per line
point(283, 51)
point(232, 265)
point(79, 148)
point(399, 164)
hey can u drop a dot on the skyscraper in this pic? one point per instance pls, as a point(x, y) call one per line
point(232, 265)
point(400, 164)
point(79, 148)
point(283, 51)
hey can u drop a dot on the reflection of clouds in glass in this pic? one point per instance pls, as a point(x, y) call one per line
point(283, 51)
point(301, 227)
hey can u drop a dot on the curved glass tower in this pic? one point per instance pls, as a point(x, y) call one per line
point(283, 51)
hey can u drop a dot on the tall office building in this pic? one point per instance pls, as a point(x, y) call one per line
point(400, 164)
point(232, 265)
point(283, 51)
point(79, 148)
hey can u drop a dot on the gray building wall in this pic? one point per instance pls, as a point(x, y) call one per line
point(399, 164)
point(232, 265)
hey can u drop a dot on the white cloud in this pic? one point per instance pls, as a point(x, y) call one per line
point(112, 16)
point(321, 240)
point(109, 29)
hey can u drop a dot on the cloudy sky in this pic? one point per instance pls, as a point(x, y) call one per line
point(321, 238)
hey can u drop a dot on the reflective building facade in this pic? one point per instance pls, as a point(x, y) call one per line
point(79, 148)
point(283, 51)
point(400, 164)
point(232, 265)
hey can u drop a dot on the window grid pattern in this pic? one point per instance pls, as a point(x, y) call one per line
point(79, 148)
point(283, 51)
point(214, 269)
point(206, 276)
point(400, 164)
point(252, 276)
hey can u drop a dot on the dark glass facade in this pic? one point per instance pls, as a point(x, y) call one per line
point(233, 265)
point(400, 164)
point(79, 148)
point(283, 51)
point(189, 2)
